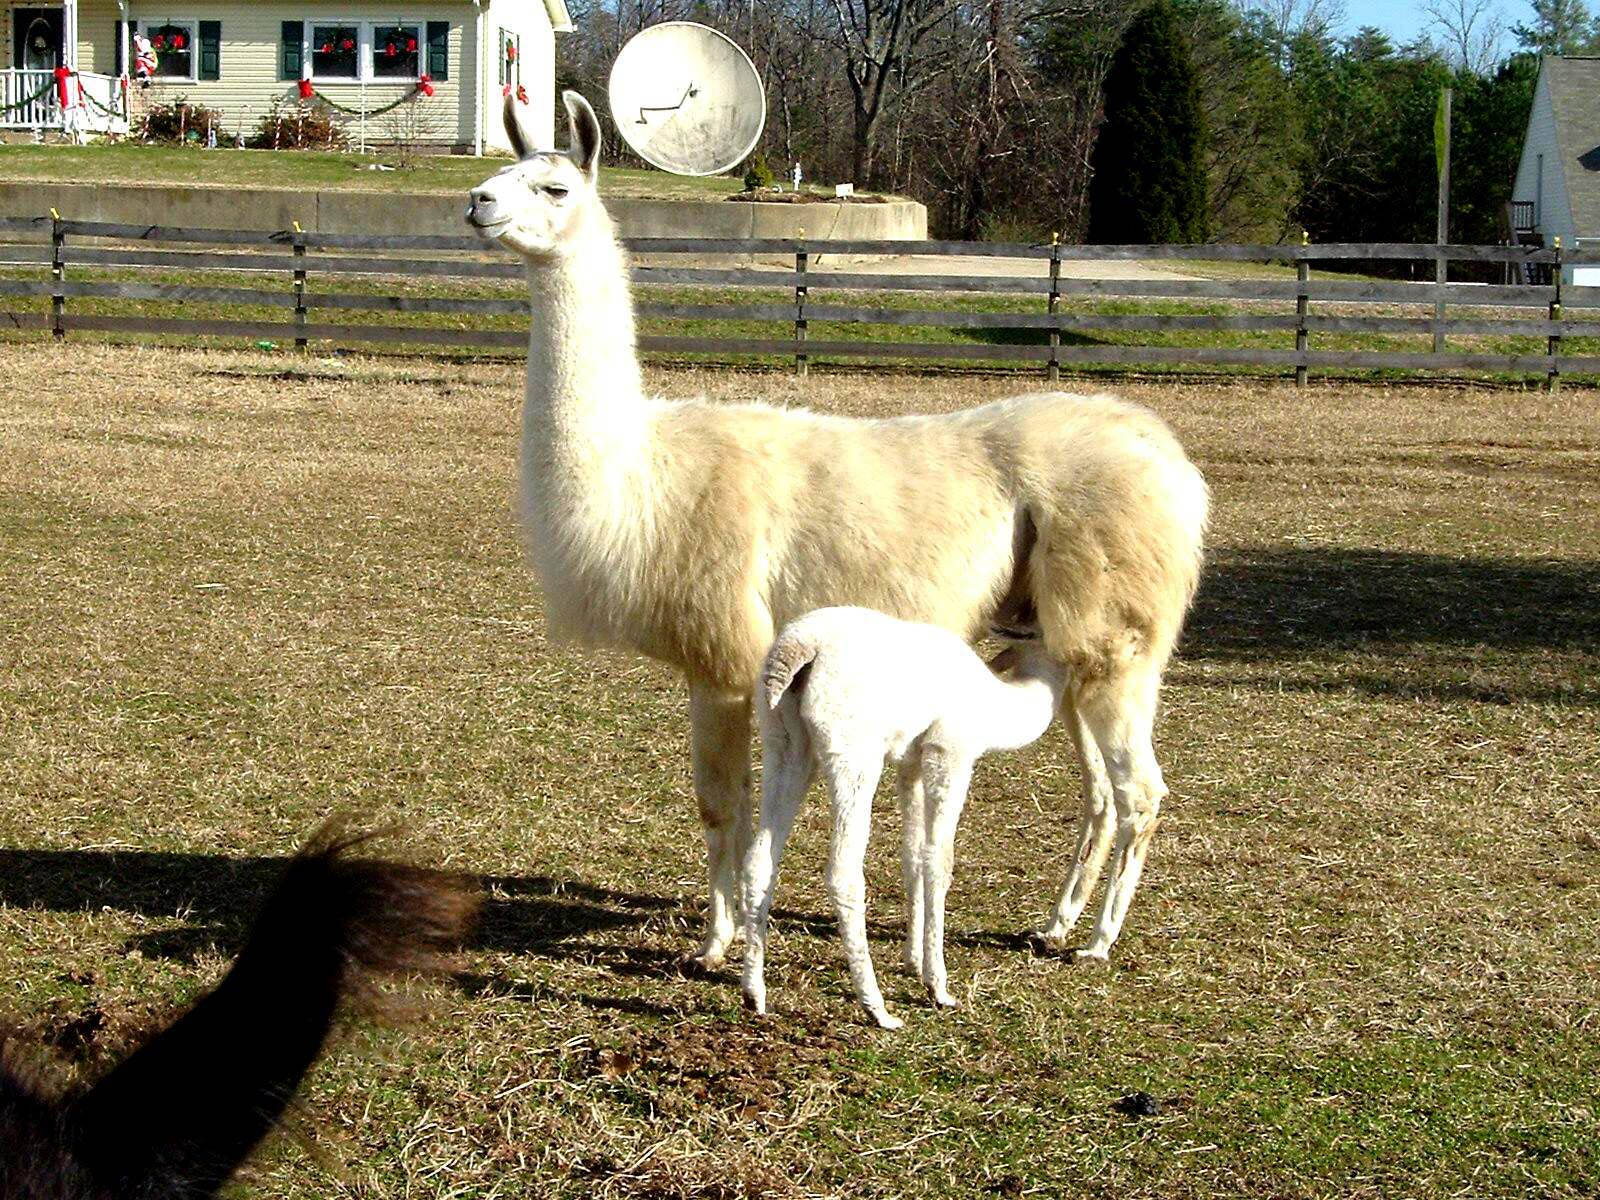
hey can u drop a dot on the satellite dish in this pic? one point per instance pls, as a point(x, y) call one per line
point(687, 99)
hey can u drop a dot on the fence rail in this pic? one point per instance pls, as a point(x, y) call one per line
point(300, 272)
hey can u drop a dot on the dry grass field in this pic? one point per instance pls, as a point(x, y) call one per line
point(240, 591)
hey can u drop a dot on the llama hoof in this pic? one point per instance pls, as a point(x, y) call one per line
point(885, 1020)
point(1043, 942)
point(756, 1004)
point(1091, 958)
point(699, 965)
point(942, 998)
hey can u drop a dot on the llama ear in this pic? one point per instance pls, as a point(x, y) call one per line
point(521, 144)
point(583, 144)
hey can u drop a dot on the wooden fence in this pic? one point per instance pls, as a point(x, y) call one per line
point(70, 254)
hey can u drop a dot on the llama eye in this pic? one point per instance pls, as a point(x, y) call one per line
point(555, 191)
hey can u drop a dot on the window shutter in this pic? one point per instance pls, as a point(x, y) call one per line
point(503, 80)
point(291, 60)
point(439, 49)
point(210, 50)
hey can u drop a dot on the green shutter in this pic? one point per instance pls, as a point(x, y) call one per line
point(439, 49)
point(291, 61)
point(210, 50)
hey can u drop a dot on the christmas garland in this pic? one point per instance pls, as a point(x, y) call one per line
point(309, 90)
point(23, 103)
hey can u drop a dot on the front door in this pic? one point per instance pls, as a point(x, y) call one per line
point(37, 38)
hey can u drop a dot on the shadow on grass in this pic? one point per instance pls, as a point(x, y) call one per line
point(219, 897)
point(1428, 615)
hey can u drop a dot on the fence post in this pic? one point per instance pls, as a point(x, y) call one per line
point(1441, 272)
point(300, 313)
point(58, 275)
point(1553, 381)
point(1302, 273)
point(802, 364)
point(1054, 370)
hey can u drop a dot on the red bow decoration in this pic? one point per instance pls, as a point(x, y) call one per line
point(327, 47)
point(505, 90)
point(511, 54)
point(390, 50)
point(159, 42)
point(522, 93)
point(411, 45)
point(425, 85)
point(177, 41)
point(62, 75)
point(347, 45)
point(306, 90)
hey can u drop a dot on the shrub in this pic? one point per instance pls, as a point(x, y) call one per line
point(756, 172)
point(299, 126)
point(180, 122)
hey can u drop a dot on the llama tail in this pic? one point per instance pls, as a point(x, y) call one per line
point(185, 1109)
point(787, 666)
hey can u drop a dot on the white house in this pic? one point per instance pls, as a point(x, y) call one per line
point(1557, 191)
point(431, 72)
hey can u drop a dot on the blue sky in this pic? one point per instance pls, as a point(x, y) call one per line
point(1402, 20)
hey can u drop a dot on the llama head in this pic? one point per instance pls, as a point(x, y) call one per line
point(538, 205)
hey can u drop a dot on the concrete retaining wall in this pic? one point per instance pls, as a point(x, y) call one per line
point(428, 213)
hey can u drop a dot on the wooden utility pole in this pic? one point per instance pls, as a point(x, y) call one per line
point(1441, 149)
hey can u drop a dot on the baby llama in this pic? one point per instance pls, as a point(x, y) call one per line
point(692, 531)
point(842, 690)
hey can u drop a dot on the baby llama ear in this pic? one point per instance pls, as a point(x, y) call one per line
point(583, 144)
point(1005, 660)
point(522, 145)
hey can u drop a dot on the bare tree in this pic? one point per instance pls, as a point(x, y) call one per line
point(1471, 31)
point(1283, 21)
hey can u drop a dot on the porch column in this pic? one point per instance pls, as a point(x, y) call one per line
point(122, 39)
point(69, 33)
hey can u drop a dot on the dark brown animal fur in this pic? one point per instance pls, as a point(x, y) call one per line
point(184, 1110)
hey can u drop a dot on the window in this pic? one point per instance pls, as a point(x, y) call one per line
point(336, 52)
point(396, 52)
point(174, 44)
point(362, 51)
point(510, 59)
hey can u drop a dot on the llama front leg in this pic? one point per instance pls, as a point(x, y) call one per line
point(850, 788)
point(1094, 830)
point(1121, 719)
point(785, 776)
point(913, 833)
point(948, 778)
point(719, 728)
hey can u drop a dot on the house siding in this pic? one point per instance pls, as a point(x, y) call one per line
point(530, 21)
point(249, 80)
point(1553, 217)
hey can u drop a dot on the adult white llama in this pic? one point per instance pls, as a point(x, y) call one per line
point(691, 531)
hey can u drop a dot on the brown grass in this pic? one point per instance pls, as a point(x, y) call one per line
point(236, 594)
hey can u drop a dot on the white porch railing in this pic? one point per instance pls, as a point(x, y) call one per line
point(29, 99)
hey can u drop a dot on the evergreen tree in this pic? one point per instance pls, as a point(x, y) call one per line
point(1558, 27)
point(1149, 159)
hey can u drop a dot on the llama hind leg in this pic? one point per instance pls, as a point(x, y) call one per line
point(947, 779)
point(1120, 713)
point(851, 784)
point(913, 832)
point(1094, 830)
point(786, 770)
point(719, 728)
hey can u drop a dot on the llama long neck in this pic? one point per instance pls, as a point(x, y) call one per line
point(585, 412)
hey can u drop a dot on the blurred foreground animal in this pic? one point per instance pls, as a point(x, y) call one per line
point(180, 1115)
